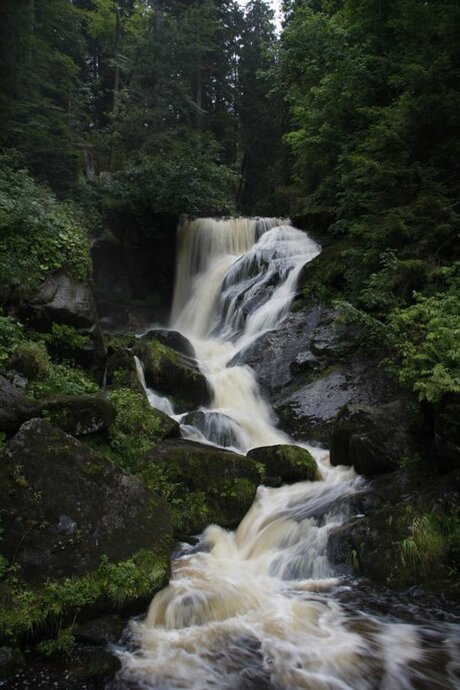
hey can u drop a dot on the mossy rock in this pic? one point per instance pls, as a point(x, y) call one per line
point(78, 415)
point(172, 339)
point(85, 538)
point(173, 374)
point(360, 437)
point(285, 464)
point(64, 506)
point(409, 535)
point(204, 483)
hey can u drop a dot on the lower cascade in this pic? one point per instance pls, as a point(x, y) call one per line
point(262, 608)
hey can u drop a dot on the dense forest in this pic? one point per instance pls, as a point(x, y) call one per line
point(119, 116)
point(130, 112)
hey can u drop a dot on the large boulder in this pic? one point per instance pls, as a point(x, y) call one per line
point(361, 437)
point(173, 374)
point(400, 541)
point(15, 408)
point(64, 506)
point(78, 415)
point(285, 463)
point(63, 300)
point(207, 484)
point(308, 410)
point(215, 426)
point(173, 339)
point(274, 354)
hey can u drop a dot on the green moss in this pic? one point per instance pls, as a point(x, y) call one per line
point(41, 611)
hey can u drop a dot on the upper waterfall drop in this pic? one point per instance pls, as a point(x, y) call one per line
point(230, 272)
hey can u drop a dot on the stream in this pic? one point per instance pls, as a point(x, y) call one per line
point(262, 608)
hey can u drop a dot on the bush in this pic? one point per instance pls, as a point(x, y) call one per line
point(135, 430)
point(11, 335)
point(428, 344)
point(32, 360)
point(63, 379)
point(38, 234)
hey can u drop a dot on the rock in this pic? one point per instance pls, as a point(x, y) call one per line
point(308, 411)
point(78, 415)
point(100, 632)
point(173, 374)
point(285, 463)
point(168, 427)
point(64, 506)
point(173, 339)
point(271, 356)
point(332, 339)
point(361, 437)
point(69, 302)
point(381, 545)
point(15, 408)
point(215, 426)
point(65, 300)
point(222, 484)
point(11, 660)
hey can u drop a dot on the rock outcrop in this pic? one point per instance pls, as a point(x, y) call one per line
point(375, 439)
point(214, 485)
point(285, 464)
point(173, 374)
point(64, 506)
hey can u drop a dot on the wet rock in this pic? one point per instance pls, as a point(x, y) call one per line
point(64, 506)
point(272, 355)
point(396, 543)
point(173, 339)
point(100, 632)
point(78, 415)
point(374, 439)
point(285, 463)
point(215, 426)
point(15, 408)
point(219, 485)
point(173, 374)
point(11, 660)
point(332, 339)
point(309, 411)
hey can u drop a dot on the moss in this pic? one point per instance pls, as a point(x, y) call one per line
point(201, 484)
point(38, 612)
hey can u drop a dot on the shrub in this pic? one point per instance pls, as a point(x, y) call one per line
point(11, 334)
point(38, 234)
point(135, 430)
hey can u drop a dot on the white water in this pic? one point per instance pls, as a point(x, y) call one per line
point(257, 609)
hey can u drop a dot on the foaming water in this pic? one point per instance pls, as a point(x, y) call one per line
point(260, 608)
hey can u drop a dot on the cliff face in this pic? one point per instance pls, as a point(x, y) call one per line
point(134, 276)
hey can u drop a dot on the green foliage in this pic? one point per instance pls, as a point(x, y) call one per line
point(24, 610)
point(428, 344)
point(11, 334)
point(62, 644)
point(425, 546)
point(63, 379)
point(32, 360)
point(188, 179)
point(66, 336)
point(135, 430)
point(38, 234)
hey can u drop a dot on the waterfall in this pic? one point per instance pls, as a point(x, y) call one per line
point(260, 608)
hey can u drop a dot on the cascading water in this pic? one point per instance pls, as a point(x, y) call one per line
point(259, 609)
